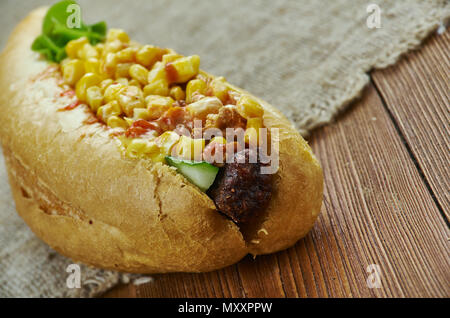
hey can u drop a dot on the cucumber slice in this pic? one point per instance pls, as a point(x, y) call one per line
point(200, 173)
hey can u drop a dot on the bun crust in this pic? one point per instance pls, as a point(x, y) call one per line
point(80, 195)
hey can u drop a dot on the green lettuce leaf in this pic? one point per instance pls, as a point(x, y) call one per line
point(56, 34)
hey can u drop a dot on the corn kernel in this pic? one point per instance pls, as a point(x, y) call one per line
point(158, 105)
point(219, 88)
point(186, 68)
point(88, 80)
point(171, 57)
point(100, 47)
point(109, 63)
point(129, 120)
point(148, 55)
point(136, 148)
point(117, 34)
point(122, 80)
point(72, 71)
point(159, 87)
point(255, 122)
point(122, 70)
point(74, 46)
point(158, 72)
point(108, 110)
point(195, 86)
point(105, 83)
point(94, 97)
point(139, 148)
point(65, 61)
point(131, 97)
point(247, 107)
point(112, 47)
point(141, 113)
point(252, 132)
point(167, 141)
point(92, 65)
point(134, 82)
point(190, 149)
point(87, 51)
point(126, 55)
point(177, 93)
point(139, 73)
point(205, 106)
point(112, 92)
point(116, 122)
point(251, 136)
point(157, 157)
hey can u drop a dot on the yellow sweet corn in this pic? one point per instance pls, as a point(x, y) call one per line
point(219, 88)
point(131, 97)
point(108, 64)
point(94, 97)
point(252, 132)
point(139, 148)
point(157, 157)
point(158, 105)
point(92, 65)
point(116, 122)
point(74, 46)
point(105, 83)
point(72, 71)
point(126, 55)
point(112, 47)
point(122, 80)
point(112, 92)
point(139, 73)
point(117, 34)
point(100, 47)
point(170, 57)
point(247, 107)
point(134, 82)
point(136, 148)
point(159, 87)
point(186, 68)
point(195, 86)
point(205, 106)
point(158, 72)
point(65, 61)
point(108, 110)
point(167, 141)
point(177, 93)
point(148, 55)
point(122, 70)
point(87, 51)
point(190, 149)
point(255, 122)
point(129, 120)
point(141, 113)
point(88, 80)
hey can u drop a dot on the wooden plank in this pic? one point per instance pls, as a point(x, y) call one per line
point(417, 94)
point(377, 210)
point(381, 211)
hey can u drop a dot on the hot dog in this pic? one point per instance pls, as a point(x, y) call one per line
point(112, 161)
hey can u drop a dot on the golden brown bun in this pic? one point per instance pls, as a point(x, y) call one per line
point(78, 193)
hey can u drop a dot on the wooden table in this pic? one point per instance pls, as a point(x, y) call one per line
point(386, 164)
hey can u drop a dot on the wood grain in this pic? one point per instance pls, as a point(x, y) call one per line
point(377, 209)
point(417, 94)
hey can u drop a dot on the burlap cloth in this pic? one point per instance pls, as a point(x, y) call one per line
point(309, 58)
